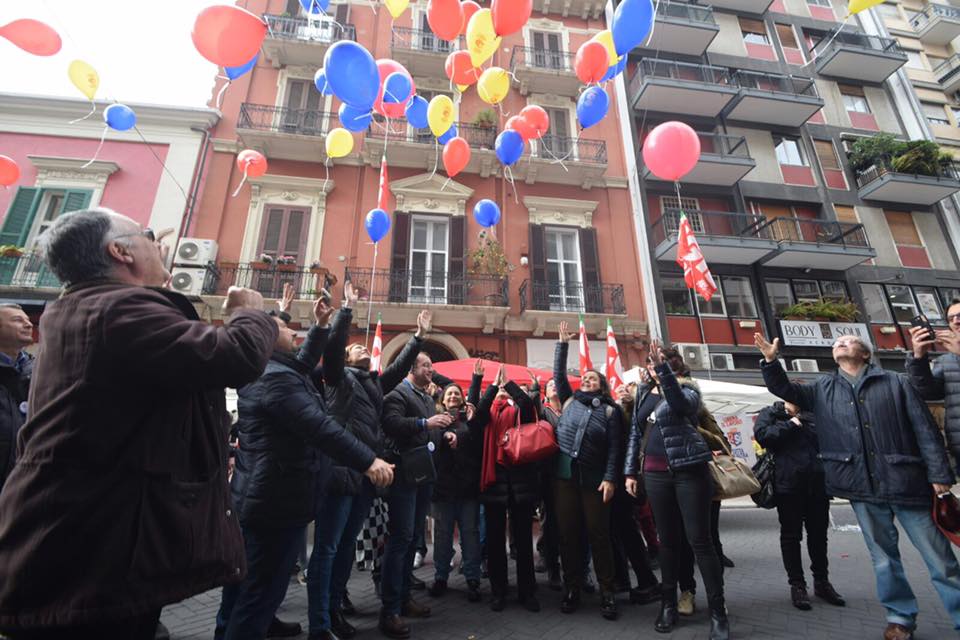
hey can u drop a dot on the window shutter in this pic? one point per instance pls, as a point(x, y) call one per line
point(826, 154)
point(787, 38)
point(846, 214)
point(902, 228)
point(456, 273)
point(343, 13)
point(16, 225)
point(76, 200)
point(399, 257)
point(590, 270)
point(539, 295)
point(538, 41)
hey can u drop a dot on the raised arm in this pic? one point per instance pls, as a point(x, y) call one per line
point(476, 381)
point(335, 355)
point(560, 363)
point(802, 395)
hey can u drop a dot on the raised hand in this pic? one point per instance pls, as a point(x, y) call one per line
point(350, 295)
point(423, 322)
point(287, 299)
point(534, 380)
point(502, 375)
point(922, 340)
point(656, 355)
point(563, 333)
point(240, 298)
point(767, 348)
point(478, 367)
point(322, 312)
point(471, 411)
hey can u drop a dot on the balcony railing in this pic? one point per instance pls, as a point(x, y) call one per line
point(947, 69)
point(476, 136)
point(305, 122)
point(28, 271)
point(717, 224)
point(420, 40)
point(565, 149)
point(820, 232)
point(776, 83)
point(876, 44)
point(721, 144)
point(268, 279)
point(932, 11)
point(430, 287)
point(322, 30)
point(541, 59)
point(950, 171)
point(649, 69)
point(572, 297)
point(685, 11)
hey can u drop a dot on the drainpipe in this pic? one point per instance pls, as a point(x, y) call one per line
point(195, 184)
point(636, 198)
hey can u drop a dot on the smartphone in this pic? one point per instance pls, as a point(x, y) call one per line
point(921, 321)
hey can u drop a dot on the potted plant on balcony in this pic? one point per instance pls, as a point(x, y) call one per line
point(822, 311)
point(883, 151)
point(264, 263)
point(486, 119)
point(874, 151)
point(11, 251)
point(488, 259)
point(287, 263)
point(922, 157)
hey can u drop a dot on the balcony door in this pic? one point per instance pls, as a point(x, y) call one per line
point(429, 256)
point(547, 50)
point(301, 113)
point(563, 269)
point(557, 139)
point(283, 235)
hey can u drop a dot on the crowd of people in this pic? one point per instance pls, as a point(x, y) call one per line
point(122, 477)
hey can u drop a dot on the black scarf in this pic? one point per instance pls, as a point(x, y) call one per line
point(593, 398)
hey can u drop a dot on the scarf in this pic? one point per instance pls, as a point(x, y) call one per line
point(588, 398)
point(503, 415)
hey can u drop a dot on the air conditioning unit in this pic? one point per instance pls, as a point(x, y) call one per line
point(805, 365)
point(721, 361)
point(696, 356)
point(190, 281)
point(195, 252)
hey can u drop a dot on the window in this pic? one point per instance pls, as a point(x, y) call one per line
point(789, 151)
point(948, 295)
point(875, 302)
point(826, 154)
point(834, 290)
point(739, 297)
point(50, 208)
point(806, 290)
point(563, 269)
point(914, 60)
point(557, 139)
point(854, 98)
point(935, 113)
point(302, 112)
point(779, 294)
point(846, 214)
point(690, 206)
point(956, 114)
point(927, 301)
point(787, 36)
point(676, 296)
point(428, 260)
point(889, 11)
point(901, 299)
point(902, 228)
point(819, 3)
point(716, 306)
point(754, 31)
point(547, 50)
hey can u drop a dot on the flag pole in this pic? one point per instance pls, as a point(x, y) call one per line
point(373, 273)
point(703, 334)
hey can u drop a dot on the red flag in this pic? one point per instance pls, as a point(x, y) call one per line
point(377, 347)
point(383, 195)
point(696, 273)
point(585, 362)
point(614, 370)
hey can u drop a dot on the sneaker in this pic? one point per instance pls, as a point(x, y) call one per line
point(570, 602)
point(418, 560)
point(799, 597)
point(686, 605)
point(438, 588)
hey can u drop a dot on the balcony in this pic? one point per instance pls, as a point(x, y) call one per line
point(948, 73)
point(268, 279)
point(420, 51)
point(858, 57)
point(747, 6)
point(724, 160)
point(430, 287)
point(937, 24)
point(881, 182)
point(724, 238)
point(282, 133)
point(682, 28)
point(559, 160)
point(28, 271)
point(298, 41)
point(418, 149)
point(583, 8)
point(770, 98)
point(543, 71)
point(823, 244)
point(572, 297)
point(674, 87)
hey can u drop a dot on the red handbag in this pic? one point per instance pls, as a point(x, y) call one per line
point(946, 515)
point(527, 443)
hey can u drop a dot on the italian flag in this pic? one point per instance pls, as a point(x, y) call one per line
point(614, 371)
point(585, 362)
point(377, 346)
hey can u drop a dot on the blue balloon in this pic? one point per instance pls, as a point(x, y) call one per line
point(486, 213)
point(352, 74)
point(631, 24)
point(509, 146)
point(450, 134)
point(315, 6)
point(354, 119)
point(592, 106)
point(397, 87)
point(377, 224)
point(320, 81)
point(235, 72)
point(614, 70)
point(417, 113)
point(119, 117)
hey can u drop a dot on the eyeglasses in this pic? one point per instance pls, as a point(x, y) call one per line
point(953, 317)
point(146, 233)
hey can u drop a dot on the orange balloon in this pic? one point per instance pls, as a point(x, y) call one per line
point(228, 36)
point(469, 8)
point(460, 69)
point(32, 36)
point(252, 163)
point(537, 118)
point(445, 18)
point(9, 171)
point(456, 156)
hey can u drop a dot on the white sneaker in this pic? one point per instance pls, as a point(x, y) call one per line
point(418, 560)
point(686, 605)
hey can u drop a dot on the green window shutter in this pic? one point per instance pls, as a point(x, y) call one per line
point(76, 199)
point(16, 225)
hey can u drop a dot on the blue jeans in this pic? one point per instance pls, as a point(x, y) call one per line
point(880, 534)
point(247, 607)
point(334, 545)
point(408, 509)
point(464, 514)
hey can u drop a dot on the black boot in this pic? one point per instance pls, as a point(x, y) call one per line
point(719, 623)
point(280, 629)
point(668, 617)
point(825, 591)
point(340, 626)
point(608, 605)
point(800, 597)
point(571, 600)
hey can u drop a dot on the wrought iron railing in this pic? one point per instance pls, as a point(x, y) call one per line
point(949, 171)
point(267, 278)
point(685, 11)
point(28, 271)
point(408, 39)
point(776, 83)
point(933, 11)
point(820, 232)
point(541, 59)
point(572, 297)
point(716, 224)
point(396, 130)
point(721, 144)
point(947, 69)
point(305, 122)
point(877, 44)
point(565, 149)
point(430, 287)
point(683, 71)
point(323, 30)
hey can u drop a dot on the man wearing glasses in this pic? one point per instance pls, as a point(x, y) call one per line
point(882, 451)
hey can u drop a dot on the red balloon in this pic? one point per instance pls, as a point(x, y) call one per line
point(592, 62)
point(509, 16)
point(252, 163)
point(537, 118)
point(445, 18)
point(521, 126)
point(386, 66)
point(228, 36)
point(33, 36)
point(460, 69)
point(671, 150)
point(469, 8)
point(9, 171)
point(456, 156)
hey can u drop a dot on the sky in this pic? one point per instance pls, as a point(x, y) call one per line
point(142, 50)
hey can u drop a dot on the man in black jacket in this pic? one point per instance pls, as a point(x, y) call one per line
point(16, 366)
point(283, 463)
point(354, 396)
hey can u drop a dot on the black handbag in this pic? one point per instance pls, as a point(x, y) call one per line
point(766, 498)
point(416, 465)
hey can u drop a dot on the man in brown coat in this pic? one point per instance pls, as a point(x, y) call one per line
point(119, 503)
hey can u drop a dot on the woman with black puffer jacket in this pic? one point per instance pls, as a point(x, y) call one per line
point(587, 473)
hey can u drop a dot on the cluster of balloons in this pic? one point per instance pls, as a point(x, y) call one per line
point(671, 150)
point(531, 123)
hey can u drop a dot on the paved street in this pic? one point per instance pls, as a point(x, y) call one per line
point(757, 597)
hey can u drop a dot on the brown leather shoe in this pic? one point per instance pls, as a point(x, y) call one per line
point(413, 609)
point(896, 631)
point(394, 627)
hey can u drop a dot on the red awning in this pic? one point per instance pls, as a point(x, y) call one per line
point(461, 372)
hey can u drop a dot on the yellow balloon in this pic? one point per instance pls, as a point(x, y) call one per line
point(856, 6)
point(462, 87)
point(482, 40)
point(605, 38)
point(339, 142)
point(396, 7)
point(84, 77)
point(440, 114)
point(493, 85)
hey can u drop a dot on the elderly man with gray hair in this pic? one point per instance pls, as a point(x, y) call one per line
point(120, 486)
point(882, 451)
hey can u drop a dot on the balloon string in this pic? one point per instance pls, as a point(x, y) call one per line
point(240, 186)
point(326, 175)
point(436, 157)
point(219, 100)
point(813, 53)
point(446, 183)
point(573, 147)
point(103, 136)
point(676, 184)
point(653, 25)
point(509, 173)
point(373, 274)
point(93, 110)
